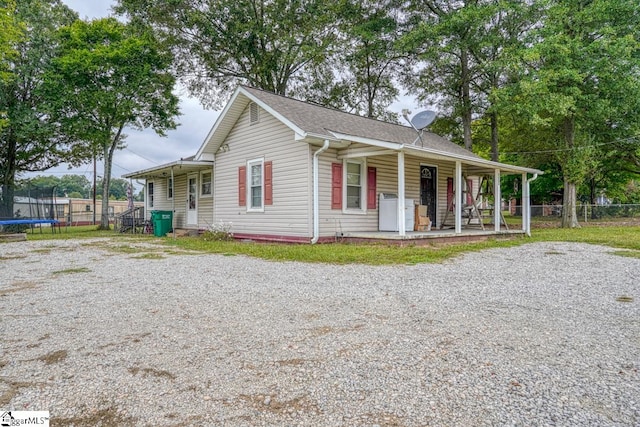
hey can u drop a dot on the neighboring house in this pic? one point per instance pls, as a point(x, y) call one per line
point(280, 169)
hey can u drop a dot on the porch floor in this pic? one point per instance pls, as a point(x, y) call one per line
point(433, 236)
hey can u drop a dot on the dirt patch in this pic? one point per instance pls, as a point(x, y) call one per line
point(270, 403)
point(153, 372)
point(17, 287)
point(54, 357)
point(97, 418)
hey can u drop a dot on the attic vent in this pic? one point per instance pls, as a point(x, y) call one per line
point(253, 111)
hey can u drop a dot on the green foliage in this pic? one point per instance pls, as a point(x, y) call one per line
point(575, 90)
point(365, 62)
point(11, 31)
point(270, 45)
point(108, 76)
point(29, 141)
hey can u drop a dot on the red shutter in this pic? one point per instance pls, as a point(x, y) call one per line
point(242, 186)
point(371, 188)
point(450, 194)
point(336, 186)
point(268, 183)
point(469, 192)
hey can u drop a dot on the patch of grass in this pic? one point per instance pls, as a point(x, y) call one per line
point(72, 270)
point(85, 232)
point(149, 255)
point(627, 253)
point(616, 236)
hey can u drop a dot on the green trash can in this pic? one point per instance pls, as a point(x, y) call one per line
point(162, 222)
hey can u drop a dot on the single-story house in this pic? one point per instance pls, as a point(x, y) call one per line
point(278, 169)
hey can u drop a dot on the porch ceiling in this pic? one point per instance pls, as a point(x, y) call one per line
point(179, 167)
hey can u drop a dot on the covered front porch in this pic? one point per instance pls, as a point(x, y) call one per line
point(462, 194)
point(184, 187)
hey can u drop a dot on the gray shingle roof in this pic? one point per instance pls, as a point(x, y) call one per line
point(318, 120)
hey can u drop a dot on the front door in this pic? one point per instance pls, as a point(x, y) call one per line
point(428, 190)
point(192, 200)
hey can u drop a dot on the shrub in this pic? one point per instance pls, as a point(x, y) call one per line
point(220, 232)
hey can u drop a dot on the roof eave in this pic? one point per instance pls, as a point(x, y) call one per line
point(156, 171)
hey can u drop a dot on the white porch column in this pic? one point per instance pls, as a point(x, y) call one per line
point(497, 200)
point(525, 203)
point(401, 207)
point(458, 197)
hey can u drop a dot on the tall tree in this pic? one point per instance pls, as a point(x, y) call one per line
point(271, 45)
point(28, 140)
point(361, 75)
point(109, 76)
point(443, 37)
point(11, 32)
point(578, 86)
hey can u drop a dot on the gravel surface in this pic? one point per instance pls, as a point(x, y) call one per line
point(114, 333)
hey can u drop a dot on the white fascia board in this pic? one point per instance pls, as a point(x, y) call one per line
point(217, 123)
point(368, 141)
point(473, 160)
point(149, 171)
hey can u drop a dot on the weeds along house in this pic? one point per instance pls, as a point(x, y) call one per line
point(278, 169)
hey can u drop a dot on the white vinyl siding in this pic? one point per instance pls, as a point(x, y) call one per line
point(290, 213)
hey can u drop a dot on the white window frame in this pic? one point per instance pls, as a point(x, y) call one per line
point(250, 207)
point(210, 193)
point(169, 189)
point(363, 186)
point(150, 193)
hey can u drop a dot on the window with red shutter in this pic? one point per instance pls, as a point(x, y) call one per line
point(242, 186)
point(450, 194)
point(371, 188)
point(268, 183)
point(336, 186)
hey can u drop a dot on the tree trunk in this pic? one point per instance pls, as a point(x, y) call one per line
point(106, 180)
point(494, 136)
point(569, 198)
point(8, 179)
point(569, 214)
point(465, 98)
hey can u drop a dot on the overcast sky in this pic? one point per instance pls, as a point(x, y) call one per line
point(146, 149)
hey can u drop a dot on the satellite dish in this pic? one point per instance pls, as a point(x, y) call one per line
point(423, 119)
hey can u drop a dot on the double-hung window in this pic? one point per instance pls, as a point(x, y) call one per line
point(354, 185)
point(205, 186)
point(169, 188)
point(150, 194)
point(255, 178)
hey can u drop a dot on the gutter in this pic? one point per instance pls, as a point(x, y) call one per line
point(528, 225)
point(316, 196)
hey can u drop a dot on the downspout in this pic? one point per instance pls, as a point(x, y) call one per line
point(528, 225)
point(173, 204)
point(316, 196)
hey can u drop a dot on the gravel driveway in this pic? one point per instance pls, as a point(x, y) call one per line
point(104, 333)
